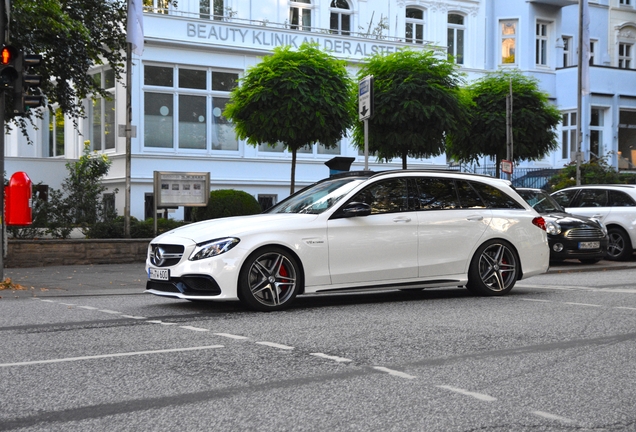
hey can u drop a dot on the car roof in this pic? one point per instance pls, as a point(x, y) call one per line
point(598, 186)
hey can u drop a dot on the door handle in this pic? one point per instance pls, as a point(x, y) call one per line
point(475, 218)
point(402, 219)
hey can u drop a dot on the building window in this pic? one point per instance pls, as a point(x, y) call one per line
point(312, 149)
point(215, 6)
point(592, 51)
point(455, 37)
point(196, 99)
point(626, 140)
point(567, 51)
point(267, 201)
point(300, 15)
point(414, 25)
point(102, 113)
point(596, 133)
point(508, 41)
point(56, 133)
point(625, 55)
point(157, 6)
point(625, 2)
point(340, 20)
point(541, 47)
point(568, 136)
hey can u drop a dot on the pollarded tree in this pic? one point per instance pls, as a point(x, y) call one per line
point(294, 97)
point(534, 120)
point(417, 105)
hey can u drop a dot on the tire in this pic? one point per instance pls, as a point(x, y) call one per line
point(269, 280)
point(620, 245)
point(494, 269)
point(589, 261)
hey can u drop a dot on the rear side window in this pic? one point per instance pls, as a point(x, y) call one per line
point(436, 194)
point(385, 196)
point(468, 197)
point(495, 198)
point(620, 199)
point(564, 198)
point(591, 198)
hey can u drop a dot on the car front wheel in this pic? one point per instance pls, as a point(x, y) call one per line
point(620, 245)
point(269, 279)
point(494, 269)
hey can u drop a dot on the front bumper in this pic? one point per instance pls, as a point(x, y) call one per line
point(571, 249)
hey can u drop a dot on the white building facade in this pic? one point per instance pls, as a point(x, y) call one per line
point(194, 54)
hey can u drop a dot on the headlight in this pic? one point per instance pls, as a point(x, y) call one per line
point(553, 228)
point(213, 248)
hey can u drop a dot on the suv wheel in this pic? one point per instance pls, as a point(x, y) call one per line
point(620, 245)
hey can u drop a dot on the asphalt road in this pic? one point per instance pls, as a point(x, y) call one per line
point(83, 349)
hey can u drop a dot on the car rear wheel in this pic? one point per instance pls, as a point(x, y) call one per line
point(494, 269)
point(620, 245)
point(269, 279)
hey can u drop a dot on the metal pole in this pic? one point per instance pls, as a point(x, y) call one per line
point(128, 138)
point(579, 99)
point(3, 14)
point(366, 145)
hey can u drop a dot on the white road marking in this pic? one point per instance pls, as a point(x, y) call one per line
point(552, 416)
point(394, 372)
point(155, 321)
point(231, 336)
point(579, 288)
point(480, 396)
point(68, 304)
point(583, 304)
point(108, 311)
point(537, 300)
point(275, 345)
point(127, 354)
point(334, 358)
point(195, 328)
point(134, 317)
point(625, 307)
point(48, 301)
point(85, 307)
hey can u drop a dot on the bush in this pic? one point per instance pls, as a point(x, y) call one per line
point(138, 229)
point(225, 203)
point(596, 172)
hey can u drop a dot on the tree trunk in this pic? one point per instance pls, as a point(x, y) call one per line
point(404, 156)
point(292, 185)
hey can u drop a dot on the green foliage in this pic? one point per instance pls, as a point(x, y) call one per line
point(225, 203)
point(72, 36)
point(114, 228)
point(534, 120)
point(293, 97)
point(595, 172)
point(417, 105)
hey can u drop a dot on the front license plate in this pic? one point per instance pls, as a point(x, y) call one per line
point(589, 245)
point(158, 274)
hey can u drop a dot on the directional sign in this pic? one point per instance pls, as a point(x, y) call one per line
point(365, 98)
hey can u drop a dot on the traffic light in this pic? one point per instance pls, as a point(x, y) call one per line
point(26, 83)
point(8, 60)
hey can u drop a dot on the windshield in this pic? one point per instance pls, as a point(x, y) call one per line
point(540, 201)
point(317, 198)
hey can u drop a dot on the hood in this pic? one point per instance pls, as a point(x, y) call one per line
point(234, 227)
point(565, 219)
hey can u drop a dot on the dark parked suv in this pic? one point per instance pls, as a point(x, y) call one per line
point(614, 205)
point(570, 236)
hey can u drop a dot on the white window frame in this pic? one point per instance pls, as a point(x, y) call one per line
point(625, 55)
point(53, 133)
point(340, 13)
point(598, 129)
point(542, 38)
point(107, 129)
point(567, 50)
point(568, 135)
point(456, 29)
point(593, 45)
point(623, 3)
point(505, 38)
point(301, 7)
point(415, 23)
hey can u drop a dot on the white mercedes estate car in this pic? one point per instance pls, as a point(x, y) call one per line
point(354, 232)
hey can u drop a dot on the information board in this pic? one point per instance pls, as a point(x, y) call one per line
point(174, 189)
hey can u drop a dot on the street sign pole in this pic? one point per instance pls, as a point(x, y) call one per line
point(365, 111)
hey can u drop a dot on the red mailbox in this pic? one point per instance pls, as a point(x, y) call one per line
point(18, 198)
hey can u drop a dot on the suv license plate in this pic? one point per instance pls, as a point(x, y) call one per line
point(589, 245)
point(159, 274)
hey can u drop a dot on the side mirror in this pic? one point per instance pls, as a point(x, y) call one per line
point(354, 209)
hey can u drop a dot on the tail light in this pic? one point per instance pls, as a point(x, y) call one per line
point(540, 222)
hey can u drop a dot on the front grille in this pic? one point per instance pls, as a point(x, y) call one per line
point(581, 233)
point(165, 255)
point(188, 284)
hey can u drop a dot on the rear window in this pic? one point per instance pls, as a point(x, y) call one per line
point(620, 199)
point(495, 198)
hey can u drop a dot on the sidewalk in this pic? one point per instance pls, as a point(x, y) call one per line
point(97, 279)
point(125, 279)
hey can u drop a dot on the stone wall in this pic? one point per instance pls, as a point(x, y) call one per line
point(41, 253)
